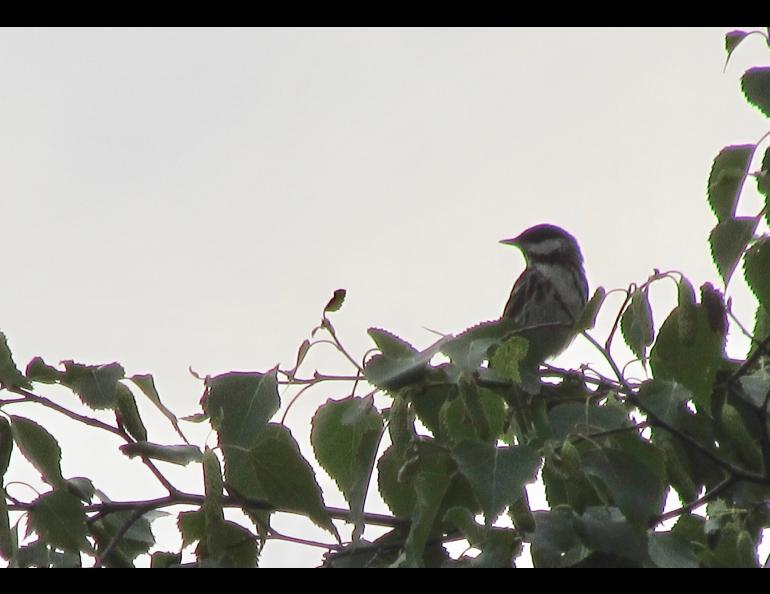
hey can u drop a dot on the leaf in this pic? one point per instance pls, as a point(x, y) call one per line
point(554, 536)
point(693, 363)
point(458, 421)
point(728, 241)
point(666, 400)
point(60, 520)
point(240, 406)
point(496, 474)
point(39, 447)
point(82, 487)
point(137, 540)
point(636, 490)
point(285, 478)
point(755, 84)
point(391, 345)
point(755, 387)
point(175, 454)
point(582, 419)
point(10, 376)
point(95, 385)
point(755, 266)
point(129, 413)
point(7, 539)
point(726, 178)
point(763, 181)
point(606, 530)
point(508, 356)
point(38, 371)
point(732, 41)
point(165, 559)
point(335, 303)
point(471, 347)
point(146, 383)
point(687, 311)
point(397, 494)
point(636, 324)
point(6, 446)
point(237, 547)
point(192, 526)
point(394, 373)
point(587, 319)
point(345, 435)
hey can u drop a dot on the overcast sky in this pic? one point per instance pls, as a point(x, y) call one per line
point(192, 197)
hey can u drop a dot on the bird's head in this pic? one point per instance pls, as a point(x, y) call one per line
point(547, 244)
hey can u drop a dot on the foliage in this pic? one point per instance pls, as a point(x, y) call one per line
point(457, 441)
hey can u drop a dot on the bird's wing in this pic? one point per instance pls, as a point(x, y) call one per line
point(523, 291)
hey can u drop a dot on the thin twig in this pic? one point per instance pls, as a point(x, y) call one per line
point(135, 515)
point(707, 497)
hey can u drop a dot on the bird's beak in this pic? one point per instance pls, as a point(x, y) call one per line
point(512, 241)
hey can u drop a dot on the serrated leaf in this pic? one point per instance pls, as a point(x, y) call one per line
point(284, 477)
point(345, 435)
point(175, 454)
point(471, 347)
point(165, 559)
point(693, 363)
point(554, 536)
point(6, 446)
point(95, 385)
point(335, 303)
point(38, 371)
point(239, 406)
point(192, 526)
point(10, 376)
point(397, 495)
point(606, 530)
point(636, 324)
point(458, 423)
point(137, 539)
point(39, 447)
point(727, 175)
point(756, 266)
point(728, 241)
point(59, 518)
point(636, 490)
point(755, 84)
point(391, 345)
point(587, 319)
point(496, 474)
point(129, 413)
point(664, 399)
point(581, 419)
point(686, 315)
point(508, 357)
point(146, 383)
point(391, 373)
point(236, 547)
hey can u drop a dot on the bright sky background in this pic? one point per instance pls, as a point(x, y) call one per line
point(192, 197)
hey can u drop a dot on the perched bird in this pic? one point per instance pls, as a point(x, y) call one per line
point(549, 296)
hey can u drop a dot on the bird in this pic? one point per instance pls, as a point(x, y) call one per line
point(550, 294)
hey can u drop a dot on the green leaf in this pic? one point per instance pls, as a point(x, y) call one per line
point(6, 446)
point(582, 419)
point(636, 490)
point(10, 376)
point(391, 345)
point(165, 559)
point(554, 536)
point(81, 487)
point(129, 413)
point(39, 447)
point(756, 265)
point(754, 387)
point(285, 478)
point(59, 519)
point(693, 363)
point(728, 172)
point(137, 540)
point(240, 406)
point(763, 181)
point(345, 435)
point(335, 303)
point(755, 84)
point(146, 383)
point(496, 474)
point(458, 422)
point(665, 400)
point(606, 530)
point(393, 373)
point(636, 324)
point(38, 371)
point(175, 454)
point(94, 384)
point(213, 510)
point(508, 356)
point(728, 241)
point(7, 539)
point(192, 526)
point(732, 41)
point(587, 319)
point(397, 494)
point(236, 547)
point(471, 347)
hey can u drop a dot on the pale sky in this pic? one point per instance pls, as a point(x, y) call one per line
point(192, 197)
